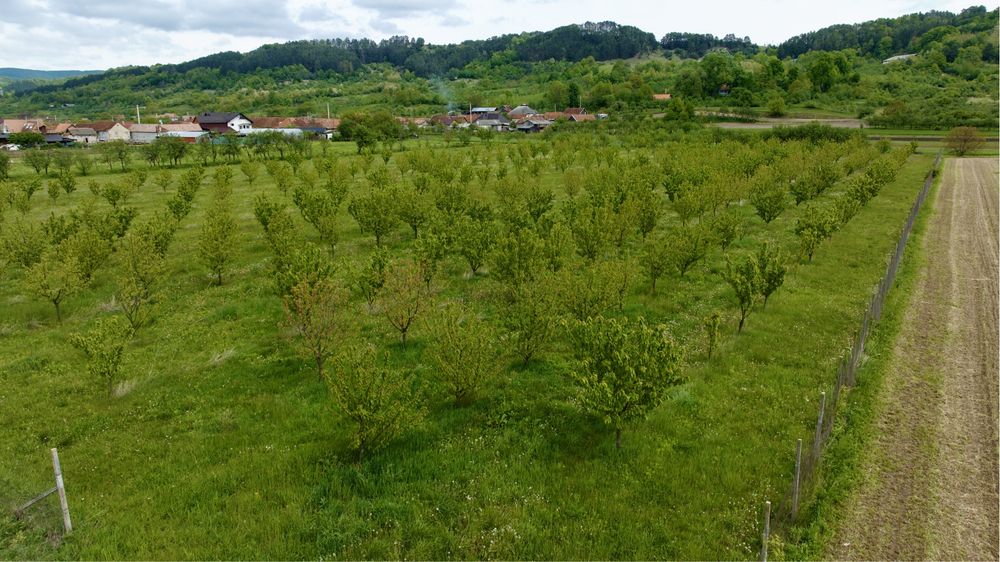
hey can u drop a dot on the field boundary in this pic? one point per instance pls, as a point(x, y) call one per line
point(784, 514)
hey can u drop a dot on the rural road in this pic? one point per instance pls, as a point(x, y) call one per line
point(930, 478)
point(771, 122)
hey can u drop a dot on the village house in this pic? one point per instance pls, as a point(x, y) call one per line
point(533, 124)
point(8, 126)
point(143, 134)
point(82, 135)
point(494, 121)
point(224, 122)
point(521, 111)
point(108, 130)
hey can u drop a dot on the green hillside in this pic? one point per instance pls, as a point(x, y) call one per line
point(951, 80)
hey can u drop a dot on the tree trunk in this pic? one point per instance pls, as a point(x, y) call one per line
point(743, 317)
point(618, 438)
point(58, 313)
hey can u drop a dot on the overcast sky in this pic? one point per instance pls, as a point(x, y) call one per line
point(99, 34)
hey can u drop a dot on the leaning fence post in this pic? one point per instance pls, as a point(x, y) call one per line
point(819, 426)
point(767, 531)
point(61, 488)
point(798, 478)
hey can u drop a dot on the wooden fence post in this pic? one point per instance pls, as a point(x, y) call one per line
point(798, 479)
point(767, 531)
point(819, 426)
point(61, 488)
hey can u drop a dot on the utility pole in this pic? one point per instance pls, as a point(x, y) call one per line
point(327, 110)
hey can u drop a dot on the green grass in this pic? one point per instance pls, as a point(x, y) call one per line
point(855, 428)
point(226, 446)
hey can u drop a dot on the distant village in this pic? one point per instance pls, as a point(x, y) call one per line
point(191, 128)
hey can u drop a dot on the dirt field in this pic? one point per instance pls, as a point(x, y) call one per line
point(931, 476)
point(771, 122)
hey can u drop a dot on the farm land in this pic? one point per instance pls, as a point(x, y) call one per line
point(219, 440)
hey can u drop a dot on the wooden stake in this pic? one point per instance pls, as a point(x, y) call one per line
point(67, 524)
point(767, 531)
point(798, 478)
point(819, 426)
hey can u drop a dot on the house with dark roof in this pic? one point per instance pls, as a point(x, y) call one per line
point(533, 124)
point(495, 121)
point(224, 122)
point(521, 111)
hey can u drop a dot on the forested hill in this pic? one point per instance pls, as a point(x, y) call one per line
point(912, 33)
point(29, 74)
point(602, 41)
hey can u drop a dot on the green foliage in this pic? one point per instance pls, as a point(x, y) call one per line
point(375, 398)
point(54, 278)
point(770, 260)
point(319, 210)
point(22, 243)
point(218, 236)
point(743, 276)
point(403, 296)
point(104, 346)
point(769, 200)
point(375, 212)
point(711, 325)
point(625, 369)
point(39, 159)
point(686, 246)
point(963, 140)
point(531, 318)
point(464, 351)
point(316, 310)
point(812, 227)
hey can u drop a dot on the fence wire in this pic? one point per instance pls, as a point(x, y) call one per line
point(785, 512)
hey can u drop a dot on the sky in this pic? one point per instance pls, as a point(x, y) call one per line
point(100, 34)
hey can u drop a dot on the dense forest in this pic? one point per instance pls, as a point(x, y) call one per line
point(950, 79)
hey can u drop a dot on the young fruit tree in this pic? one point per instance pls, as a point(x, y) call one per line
point(218, 236)
point(105, 345)
point(54, 278)
point(711, 325)
point(812, 228)
point(744, 277)
point(771, 262)
point(316, 310)
point(377, 399)
point(403, 296)
point(769, 200)
point(530, 319)
point(963, 140)
point(464, 351)
point(625, 369)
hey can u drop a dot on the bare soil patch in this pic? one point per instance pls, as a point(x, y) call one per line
point(771, 122)
point(930, 488)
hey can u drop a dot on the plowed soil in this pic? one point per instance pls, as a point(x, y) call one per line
point(930, 489)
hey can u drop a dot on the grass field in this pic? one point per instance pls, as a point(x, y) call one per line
point(223, 443)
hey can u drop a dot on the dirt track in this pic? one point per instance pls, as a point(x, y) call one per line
point(930, 488)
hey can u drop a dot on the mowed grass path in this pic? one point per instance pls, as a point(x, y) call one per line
point(226, 445)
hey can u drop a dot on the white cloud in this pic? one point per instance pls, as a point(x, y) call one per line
point(87, 34)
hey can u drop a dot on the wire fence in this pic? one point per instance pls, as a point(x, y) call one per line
point(782, 515)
